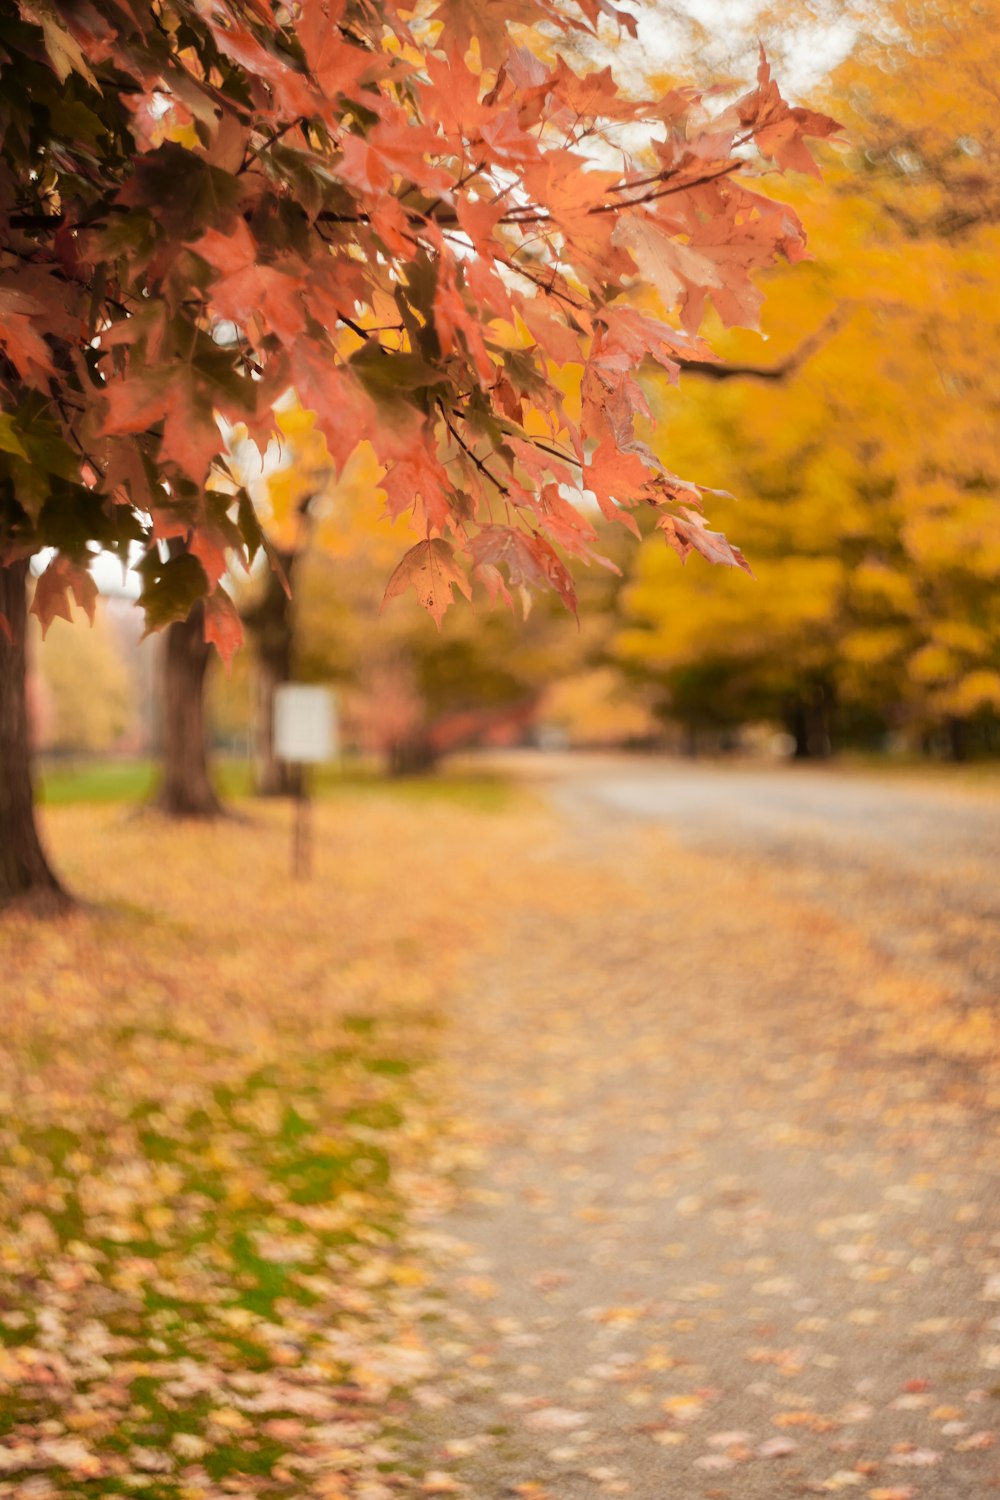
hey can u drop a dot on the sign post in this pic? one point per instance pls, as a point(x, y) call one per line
point(305, 734)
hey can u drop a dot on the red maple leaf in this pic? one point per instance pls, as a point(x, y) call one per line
point(223, 627)
point(61, 578)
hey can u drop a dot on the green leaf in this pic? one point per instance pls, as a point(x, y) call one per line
point(10, 442)
point(31, 485)
point(312, 192)
point(390, 375)
point(74, 122)
point(126, 237)
point(72, 516)
point(183, 192)
point(170, 589)
point(42, 441)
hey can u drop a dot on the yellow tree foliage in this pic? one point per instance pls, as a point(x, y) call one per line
point(868, 476)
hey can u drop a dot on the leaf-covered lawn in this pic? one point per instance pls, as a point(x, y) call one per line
point(212, 1116)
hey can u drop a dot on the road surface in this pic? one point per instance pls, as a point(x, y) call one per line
point(913, 863)
point(727, 1101)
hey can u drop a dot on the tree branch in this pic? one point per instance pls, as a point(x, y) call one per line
point(778, 372)
point(480, 465)
point(271, 140)
point(529, 213)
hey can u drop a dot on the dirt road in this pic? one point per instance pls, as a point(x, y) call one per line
point(729, 1224)
point(913, 863)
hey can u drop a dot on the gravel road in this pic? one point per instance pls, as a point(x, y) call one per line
point(913, 863)
point(728, 1100)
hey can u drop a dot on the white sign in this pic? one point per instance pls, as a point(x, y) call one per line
point(305, 724)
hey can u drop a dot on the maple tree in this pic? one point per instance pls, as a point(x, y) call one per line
point(413, 221)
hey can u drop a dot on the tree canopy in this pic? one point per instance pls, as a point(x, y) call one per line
point(425, 223)
point(868, 480)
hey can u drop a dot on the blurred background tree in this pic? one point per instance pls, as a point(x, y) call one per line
point(408, 692)
point(868, 477)
point(81, 694)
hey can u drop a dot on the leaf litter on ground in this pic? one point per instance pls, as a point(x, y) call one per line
point(499, 1158)
point(216, 1150)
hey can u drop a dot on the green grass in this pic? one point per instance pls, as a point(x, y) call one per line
point(97, 781)
point(64, 783)
point(482, 791)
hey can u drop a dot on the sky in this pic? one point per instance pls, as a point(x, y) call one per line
point(733, 28)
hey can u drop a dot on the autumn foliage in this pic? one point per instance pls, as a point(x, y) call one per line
point(417, 225)
point(867, 477)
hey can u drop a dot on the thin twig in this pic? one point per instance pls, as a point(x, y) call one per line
point(271, 140)
point(480, 465)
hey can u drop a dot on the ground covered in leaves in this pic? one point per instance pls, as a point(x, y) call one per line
point(515, 1154)
point(215, 1150)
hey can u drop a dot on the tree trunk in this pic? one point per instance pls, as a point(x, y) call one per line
point(809, 721)
point(26, 878)
point(958, 740)
point(185, 790)
point(824, 725)
point(797, 725)
point(272, 625)
point(411, 755)
point(272, 777)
